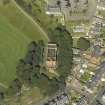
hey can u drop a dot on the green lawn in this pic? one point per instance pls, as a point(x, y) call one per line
point(32, 95)
point(16, 18)
point(102, 33)
point(85, 77)
point(75, 42)
point(16, 32)
point(102, 13)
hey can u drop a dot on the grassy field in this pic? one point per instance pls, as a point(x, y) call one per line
point(16, 31)
point(16, 18)
point(30, 97)
point(75, 42)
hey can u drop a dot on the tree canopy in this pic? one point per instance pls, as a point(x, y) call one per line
point(64, 42)
point(83, 43)
point(29, 70)
point(102, 32)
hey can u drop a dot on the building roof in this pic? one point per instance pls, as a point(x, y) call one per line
point(68, 8)
point(62, 99)
point(51, 60)
point(97, 50)
point(91, 84)
point(96, 78)
point(76, 51)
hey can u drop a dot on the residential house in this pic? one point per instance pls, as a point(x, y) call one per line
point(62, 99)
point(51, 60)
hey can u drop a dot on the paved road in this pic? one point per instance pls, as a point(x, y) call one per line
point(31, 19)
point(98, 98)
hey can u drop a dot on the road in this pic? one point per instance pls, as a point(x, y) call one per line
point(98, 98)
point(31, 19)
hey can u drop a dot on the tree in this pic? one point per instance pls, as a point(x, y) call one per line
point(32, 46)
point(1, 96)
point(30, 69)
point(59, 3)
point(102, 35)
point(83, 43)
point(53, 86)
point(15, 87)
point(64, 41)
point(5, 2)
point(30, 66)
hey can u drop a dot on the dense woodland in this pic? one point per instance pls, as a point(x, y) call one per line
point(63, 39)
point(56, 32)
point(29, 70)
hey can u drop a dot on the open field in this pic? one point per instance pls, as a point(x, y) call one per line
point(28, 98)
point(16, 32)
point(12, 47)
point(20, 20)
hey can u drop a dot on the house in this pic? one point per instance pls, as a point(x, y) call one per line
point(61, 99)
point(95, 30)
point(95, 79)
point(103, 23)
point(76, 51)
point(53, 8)
point(79, 28)
point(76, 55)
point(101, 4)
point(51, 60)
point(97, 51)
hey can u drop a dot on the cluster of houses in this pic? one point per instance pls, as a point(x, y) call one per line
point(101, 4)
point(62, 99)
point(68, 8)
point(96, 27)
point(93, 58)
point(100, 99)
point(97, 77)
